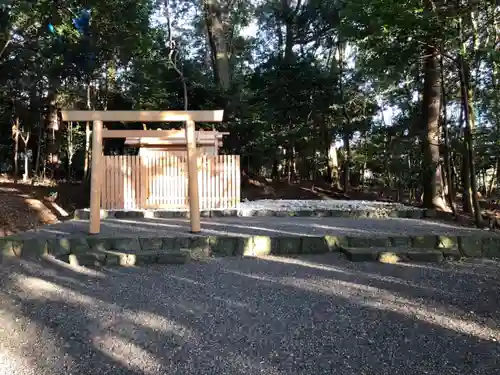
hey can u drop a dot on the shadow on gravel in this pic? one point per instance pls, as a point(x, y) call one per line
point(314, 315)
point(470, 288)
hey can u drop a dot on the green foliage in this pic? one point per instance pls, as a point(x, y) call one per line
point(315, 73)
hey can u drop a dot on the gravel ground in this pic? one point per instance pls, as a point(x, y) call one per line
point(251, 226)
point(297, 204)
point(314, 204)
point(315, 315)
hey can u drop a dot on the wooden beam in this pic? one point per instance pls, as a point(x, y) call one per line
point(96, 179)
point(175, 139)
point(173, 142)
point(159, 134)
point(192, 167)
point(143, 116)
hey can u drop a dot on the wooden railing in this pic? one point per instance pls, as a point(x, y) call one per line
point(142, 182)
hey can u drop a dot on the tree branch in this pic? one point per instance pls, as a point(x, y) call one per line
point(5, 47)
point(172, 52)
point(449, 57)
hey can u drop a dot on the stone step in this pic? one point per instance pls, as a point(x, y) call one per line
point(393, 254)
point(100, 258)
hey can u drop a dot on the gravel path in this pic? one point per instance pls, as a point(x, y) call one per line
point(316, 315)
point(250, 226)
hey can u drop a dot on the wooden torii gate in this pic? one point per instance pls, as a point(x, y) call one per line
point(98, 133)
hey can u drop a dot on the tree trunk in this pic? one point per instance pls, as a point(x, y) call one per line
point(450, 191)
point(290, 164)
point(496, 106)
point(288, 14)
point(467, 191)
point(341, 45)
point(494, 178)
point(333, 165)
point(467, 100)
point(86, 160)
point(39, 146)
point(15, 136)
point(362, 176)
point(347, 162)
point(52, 126)
point(70, 148)
point(25, 139)
point(110, 83)
point(431, 171)
point(26, 170)
point(52, 122)
point(482, 188)
point(387, 157)
point(275, 172)
point(218, 44)
point(289, 41)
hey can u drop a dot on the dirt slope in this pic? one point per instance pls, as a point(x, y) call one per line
point(24, 207)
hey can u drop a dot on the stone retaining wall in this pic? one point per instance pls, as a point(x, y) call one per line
point(466, 245)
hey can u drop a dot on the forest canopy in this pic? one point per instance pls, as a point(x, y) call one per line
point(401, 94)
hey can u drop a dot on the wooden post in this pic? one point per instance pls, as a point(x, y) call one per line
point(192, 166)
point(96, 179)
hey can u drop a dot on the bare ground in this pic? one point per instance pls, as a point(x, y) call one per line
point(24, 206)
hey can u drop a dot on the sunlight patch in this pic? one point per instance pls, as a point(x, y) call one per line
point(305, 263)
point(79, 269)
point(61, 211)
point(47, 290)
point(8, 190)
point(9, 364)
point(159, 323)
point(45, 213)
point(24, 350)
point(127, 353)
